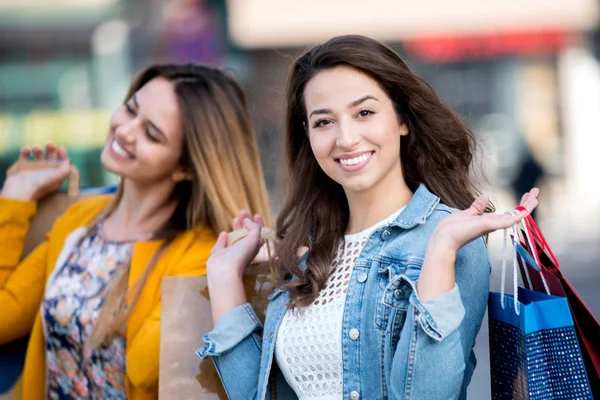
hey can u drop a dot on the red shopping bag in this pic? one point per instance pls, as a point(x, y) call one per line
point(551, 279)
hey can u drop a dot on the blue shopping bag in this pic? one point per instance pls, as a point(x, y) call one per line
point(534, 350)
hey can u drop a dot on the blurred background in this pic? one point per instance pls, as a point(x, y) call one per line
point(524, 74)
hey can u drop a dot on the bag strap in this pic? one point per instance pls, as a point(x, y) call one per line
point(515, 267)
point(74, 178)
point(534, 230)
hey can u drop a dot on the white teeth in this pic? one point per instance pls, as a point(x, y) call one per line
point(355, 160)
point(118, 149)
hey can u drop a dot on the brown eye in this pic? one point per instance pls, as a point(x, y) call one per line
point(321, 123)
point(365, 113)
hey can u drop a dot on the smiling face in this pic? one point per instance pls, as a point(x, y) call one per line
point(145, 140)
point(353, 129)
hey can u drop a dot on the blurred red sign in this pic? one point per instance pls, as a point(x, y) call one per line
point(462, 48)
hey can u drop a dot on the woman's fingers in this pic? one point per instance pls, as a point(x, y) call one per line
point(236, 223)
point(479, 205)
point(38, 153)
point(51, 151)
point(62, 153)
point(221, 242)
point(531, 202)
point(25, 152)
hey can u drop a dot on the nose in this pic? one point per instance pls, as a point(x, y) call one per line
point(348, 135)
point(126, 130)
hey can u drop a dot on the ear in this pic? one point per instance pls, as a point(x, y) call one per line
point(180, 174)
point(403, 129)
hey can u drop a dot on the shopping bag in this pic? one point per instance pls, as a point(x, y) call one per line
point(185, 318)
point(534, 349)
point(551, 279)
point(12, 355)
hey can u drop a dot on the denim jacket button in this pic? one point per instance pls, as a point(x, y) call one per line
point(354, 334)
point(354, 395)
point(385, 235)
point(362, 277)
point(398, 293)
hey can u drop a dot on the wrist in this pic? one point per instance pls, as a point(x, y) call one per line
point(224, 277)
point(441, 243)
point(15, 194)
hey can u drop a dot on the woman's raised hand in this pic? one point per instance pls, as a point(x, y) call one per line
point(31, 185)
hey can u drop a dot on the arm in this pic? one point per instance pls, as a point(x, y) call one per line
point(442, 331)
point(21, 284)
point(448, 303)
point(235, 347)
point(235, 342)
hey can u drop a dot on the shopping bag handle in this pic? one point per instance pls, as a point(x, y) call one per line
point(74, 178)
point(515, 267)
point(534, 230)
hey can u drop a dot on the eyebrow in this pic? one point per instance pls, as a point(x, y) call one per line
point(351, 105)
point(152, 124)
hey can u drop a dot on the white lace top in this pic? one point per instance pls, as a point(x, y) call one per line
point(308, 349)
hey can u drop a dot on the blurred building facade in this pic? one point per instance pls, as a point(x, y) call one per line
point(524, 75)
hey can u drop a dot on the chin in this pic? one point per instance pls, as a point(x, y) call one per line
point(357, 185)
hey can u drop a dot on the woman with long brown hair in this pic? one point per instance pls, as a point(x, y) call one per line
point(184, 147)
point(389, 288)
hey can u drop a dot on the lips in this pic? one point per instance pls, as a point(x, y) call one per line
point(120, 150)
point(354, 161)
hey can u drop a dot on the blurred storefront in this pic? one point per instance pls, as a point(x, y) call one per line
point(65, 65)
point(523, 74)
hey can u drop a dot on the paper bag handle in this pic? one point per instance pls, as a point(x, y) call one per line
point(32, 165)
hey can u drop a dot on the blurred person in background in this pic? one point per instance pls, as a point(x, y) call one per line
point(193, 32)
point(530, 174)
point(388, 294)
point(183, 145)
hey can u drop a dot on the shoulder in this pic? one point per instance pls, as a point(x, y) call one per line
point(196, 240)
point(190, 250)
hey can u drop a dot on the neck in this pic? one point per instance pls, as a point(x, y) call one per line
point(142, 210)
point(371, 206)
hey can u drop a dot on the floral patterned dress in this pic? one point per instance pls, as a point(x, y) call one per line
point(70, 307)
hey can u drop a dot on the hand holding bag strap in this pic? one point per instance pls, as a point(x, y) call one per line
point(27, 165)
point(267, 234)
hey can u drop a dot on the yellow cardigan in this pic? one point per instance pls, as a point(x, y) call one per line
point(22, 287)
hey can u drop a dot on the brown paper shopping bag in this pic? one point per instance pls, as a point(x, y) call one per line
point(186, 318)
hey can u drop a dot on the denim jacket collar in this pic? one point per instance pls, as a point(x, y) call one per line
point(418, 208)
point(416, 212)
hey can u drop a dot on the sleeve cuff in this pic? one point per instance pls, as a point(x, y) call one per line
point(231, 329)
point(18, 209)
point(441, 316)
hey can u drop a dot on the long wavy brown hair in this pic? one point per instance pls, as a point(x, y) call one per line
point(437, 152)
point(220, 151)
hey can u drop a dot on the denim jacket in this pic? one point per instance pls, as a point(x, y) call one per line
point(394, 345)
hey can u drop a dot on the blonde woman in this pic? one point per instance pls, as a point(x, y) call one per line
point(184, 147)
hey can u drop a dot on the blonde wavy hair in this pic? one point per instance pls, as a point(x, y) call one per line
point(220, 151)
